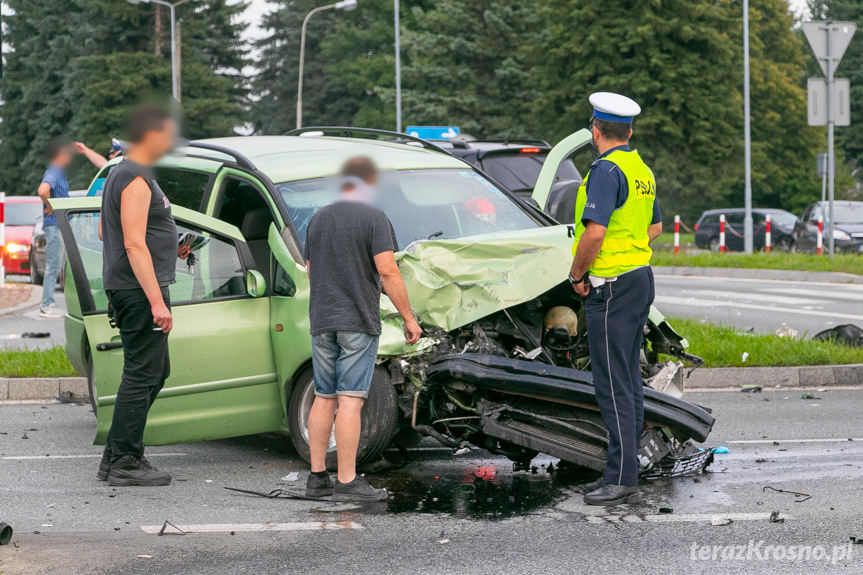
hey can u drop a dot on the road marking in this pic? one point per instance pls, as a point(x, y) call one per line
point(251, 527)
point(679, 518)
point(80, 456)
point(671, 300)
point(848, 285)
point(754, 296)
point(817, 294)
point(787, 441)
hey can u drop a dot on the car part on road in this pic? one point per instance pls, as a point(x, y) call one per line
point(796, 494)
point(5, 533)
point(774, 518)
point(165, 525)
point(277, 494)
point(751, 388)
point(847, 334)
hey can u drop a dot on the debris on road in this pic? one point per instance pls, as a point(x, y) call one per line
point(808, 395)
point(442, 539)
point(717, 520)
point(666, 510)
point(145, 556)
point(786, 331)
point(796, 494)
point(277, 494)
point(774, 518)
point(5, 533)
point(721, 449)
point(848, 334)
point(744, 357)
point(165, 525)
point(750, 388)
point(856, 540)
point(292, 476)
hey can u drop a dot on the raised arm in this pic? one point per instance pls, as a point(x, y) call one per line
point(96, 159)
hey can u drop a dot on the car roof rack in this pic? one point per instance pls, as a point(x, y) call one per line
point(241, 160)
point(366, 134)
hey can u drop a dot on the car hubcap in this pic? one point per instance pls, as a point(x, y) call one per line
point(305, 407)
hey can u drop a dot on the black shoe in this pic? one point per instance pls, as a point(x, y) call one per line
point(358, 490)
point(317, 486)
point(613, 495)
point(104, 466)
point(593, 485)
point(130, 470)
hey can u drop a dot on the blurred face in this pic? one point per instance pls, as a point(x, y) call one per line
point(63, 157)
point(160, 142)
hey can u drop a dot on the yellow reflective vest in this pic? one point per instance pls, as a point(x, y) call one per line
point(626, 244)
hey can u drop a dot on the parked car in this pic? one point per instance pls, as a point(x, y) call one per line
point(21, 214)
point(37, 251)
point(781, 229)
point(847, 231)
point(515, 164)
point(488, 372)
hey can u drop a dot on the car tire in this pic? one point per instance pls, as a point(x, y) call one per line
point(35, 276)
point(713, 244)
point(91, 381)
point(786, 245)
point(380, 418)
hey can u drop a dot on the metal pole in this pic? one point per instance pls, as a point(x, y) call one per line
point(831, 164)
point(302, 61)
point(824, 179)
point(174, 54)
point(747, 146)
point(398, 69)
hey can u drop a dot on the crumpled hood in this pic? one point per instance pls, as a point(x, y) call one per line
point(452, 283)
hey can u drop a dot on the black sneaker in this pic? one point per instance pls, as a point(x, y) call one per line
point(130, 470)
point(319, 486)
point(358, 490)
point(104, 466)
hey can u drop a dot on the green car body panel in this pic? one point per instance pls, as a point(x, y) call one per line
point(234, 357)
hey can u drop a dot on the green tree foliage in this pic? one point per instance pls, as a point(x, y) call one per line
point(78, 66)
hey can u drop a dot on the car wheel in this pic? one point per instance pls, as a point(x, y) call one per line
point(786, 245)
point(713, 244)
point(35, 276)
point(379, 418)
point(91, 381)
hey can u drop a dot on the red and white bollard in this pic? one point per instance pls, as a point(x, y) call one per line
point(676, 235)
point(820, 241)
point(2, 238)
point(722, 233)
point(767, 233)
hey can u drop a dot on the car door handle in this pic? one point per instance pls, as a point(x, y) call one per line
point(109, 346)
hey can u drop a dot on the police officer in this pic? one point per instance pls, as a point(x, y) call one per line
point(617, 216)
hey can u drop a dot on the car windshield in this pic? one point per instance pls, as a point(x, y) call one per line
point(846, 212)
point(421, 204)
point(520, 171)
point(23, 213)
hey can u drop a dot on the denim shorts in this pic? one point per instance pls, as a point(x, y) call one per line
point(344, 362)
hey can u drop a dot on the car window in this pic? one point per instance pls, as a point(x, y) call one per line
point(520, 171)
point(421, 204)
point(183, 187)
point(734, 219)
point(22, 213)
point(783, 219)
point(214, 270)
point(848, 212)
point(710, 219)
point(814, 213)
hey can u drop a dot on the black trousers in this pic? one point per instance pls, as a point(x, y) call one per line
point(146, 366)
point(616, 315)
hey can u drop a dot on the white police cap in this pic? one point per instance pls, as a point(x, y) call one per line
point(614, 107)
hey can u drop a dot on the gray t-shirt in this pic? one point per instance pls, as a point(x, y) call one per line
point(341, 242)
point(161, 230)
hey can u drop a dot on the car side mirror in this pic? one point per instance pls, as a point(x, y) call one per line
point(256, 285)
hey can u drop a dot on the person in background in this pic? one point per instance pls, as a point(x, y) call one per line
point(349, 253)
point(95, 158)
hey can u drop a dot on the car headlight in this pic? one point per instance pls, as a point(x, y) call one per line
point(840, 235)
point(16, 248)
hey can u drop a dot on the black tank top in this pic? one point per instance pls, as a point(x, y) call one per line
point(161, 230)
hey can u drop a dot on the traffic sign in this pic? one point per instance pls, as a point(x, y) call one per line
point(817, 88)
point(433, 132)
point(840, 36)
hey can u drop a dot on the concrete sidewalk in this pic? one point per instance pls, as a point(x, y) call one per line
point(760, 274)
point(18, 297)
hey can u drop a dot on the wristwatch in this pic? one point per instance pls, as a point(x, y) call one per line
point(574, 281)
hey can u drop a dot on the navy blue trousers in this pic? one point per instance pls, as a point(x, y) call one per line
point(616, 315)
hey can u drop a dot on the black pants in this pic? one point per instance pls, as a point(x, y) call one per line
point(616, 314)
point(146, 365)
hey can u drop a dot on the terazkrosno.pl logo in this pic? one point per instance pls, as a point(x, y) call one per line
point(759, 550)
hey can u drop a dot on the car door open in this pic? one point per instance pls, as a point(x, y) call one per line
point(223, 379)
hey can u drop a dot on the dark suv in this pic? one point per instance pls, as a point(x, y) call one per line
point(515, 164)
point(781, 229)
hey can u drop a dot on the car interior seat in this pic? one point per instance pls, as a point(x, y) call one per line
point(256, 228)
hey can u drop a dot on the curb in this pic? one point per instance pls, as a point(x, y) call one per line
point(35, 388)
point(32, 302)
point(801, 376)
point(760, 274)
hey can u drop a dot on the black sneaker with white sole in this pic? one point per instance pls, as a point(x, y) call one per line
point(358, 490)
point(319, 485)
point(104, 466)
point(133, 471)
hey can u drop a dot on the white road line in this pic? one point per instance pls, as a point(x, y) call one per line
point(821, 295)
point(679, 518)
point(749, 295)
point(671, 300)
point(80, 456)
point(249, 527)
point(787, 441)
point(758, 281)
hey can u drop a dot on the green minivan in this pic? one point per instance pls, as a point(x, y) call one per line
point(240, 346)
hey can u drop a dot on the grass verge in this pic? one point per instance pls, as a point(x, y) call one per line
point(723, 346)
point(848, 263)
point(35, 363)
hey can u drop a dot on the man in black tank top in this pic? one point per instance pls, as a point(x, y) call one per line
point(139, 257)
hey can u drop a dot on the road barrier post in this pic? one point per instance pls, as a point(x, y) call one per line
point(676, 234)
point(2, 238)
point(820, 241)
point(722, 233)
point(767, 233)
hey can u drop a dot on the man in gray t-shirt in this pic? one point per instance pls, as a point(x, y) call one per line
point(349, 253)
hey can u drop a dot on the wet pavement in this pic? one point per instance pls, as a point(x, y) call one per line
point(447, 514)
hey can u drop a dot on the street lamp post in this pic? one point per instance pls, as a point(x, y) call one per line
point(398, 69)
point(747, 139)
point(175, 68)
point(345, 5)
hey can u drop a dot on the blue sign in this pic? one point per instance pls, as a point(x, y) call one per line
point(433, 132)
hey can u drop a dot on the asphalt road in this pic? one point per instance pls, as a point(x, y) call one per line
point(18, 331)
point(448, 514)
point(764, 305)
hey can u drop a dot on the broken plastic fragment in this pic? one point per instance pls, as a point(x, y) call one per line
point(292, 476)
point(744, 357)
point(721, 449)
point(717, 520)
point(750, 388)
point(774, 518)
